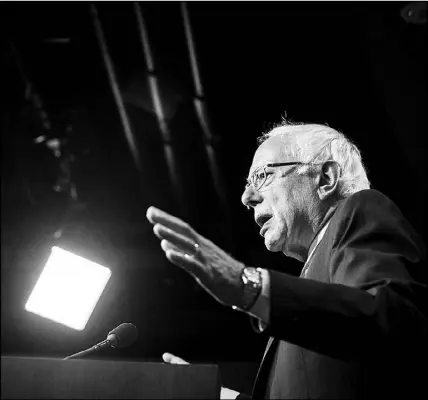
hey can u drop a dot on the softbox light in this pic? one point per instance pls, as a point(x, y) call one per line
point(68, 289)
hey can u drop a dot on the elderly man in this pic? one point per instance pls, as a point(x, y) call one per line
point(354, 324)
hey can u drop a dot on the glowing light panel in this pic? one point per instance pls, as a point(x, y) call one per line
point(68, 289)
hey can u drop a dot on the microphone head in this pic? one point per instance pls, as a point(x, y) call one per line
point(124, 335)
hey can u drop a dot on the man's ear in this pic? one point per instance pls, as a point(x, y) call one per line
point(328, 179)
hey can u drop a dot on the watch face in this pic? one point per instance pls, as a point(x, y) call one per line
point(251, 275)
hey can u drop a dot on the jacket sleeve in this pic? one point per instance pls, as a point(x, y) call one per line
point(373, 299)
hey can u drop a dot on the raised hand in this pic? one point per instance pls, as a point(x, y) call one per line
point(216, 271)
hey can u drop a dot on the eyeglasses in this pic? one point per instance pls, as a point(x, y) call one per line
point(259, 176)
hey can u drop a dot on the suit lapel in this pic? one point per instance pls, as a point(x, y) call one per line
point(264, 369)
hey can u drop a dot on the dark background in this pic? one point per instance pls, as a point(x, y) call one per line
point(360, 67)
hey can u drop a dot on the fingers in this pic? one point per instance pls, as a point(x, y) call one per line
point(151, 213)
point(177, 257)
point(172, 359)
point(167, 246)
point(182, 243)
point(157, 216)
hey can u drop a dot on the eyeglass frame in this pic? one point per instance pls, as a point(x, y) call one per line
point(250, 181)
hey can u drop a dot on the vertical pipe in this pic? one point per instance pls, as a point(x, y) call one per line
point(157, 103)
point(201, 112)
point(192, 51)
point(115, 88)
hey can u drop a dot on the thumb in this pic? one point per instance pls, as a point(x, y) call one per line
point(172, 359)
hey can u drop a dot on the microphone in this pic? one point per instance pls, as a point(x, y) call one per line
point(122, 336)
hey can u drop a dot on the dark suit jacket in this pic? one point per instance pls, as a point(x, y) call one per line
point(356, 327)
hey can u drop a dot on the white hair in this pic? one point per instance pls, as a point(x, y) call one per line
point(316, 144)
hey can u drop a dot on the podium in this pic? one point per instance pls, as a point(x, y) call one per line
point(47, 378)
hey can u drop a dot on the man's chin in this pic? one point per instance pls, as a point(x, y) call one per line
point(273, 245)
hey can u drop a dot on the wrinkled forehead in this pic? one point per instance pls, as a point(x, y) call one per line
point(273, 150)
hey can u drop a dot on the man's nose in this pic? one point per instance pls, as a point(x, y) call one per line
point(250, 197)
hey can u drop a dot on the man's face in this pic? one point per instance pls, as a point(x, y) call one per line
point(284, 206)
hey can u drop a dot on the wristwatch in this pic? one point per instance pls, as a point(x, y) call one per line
point(252, 285)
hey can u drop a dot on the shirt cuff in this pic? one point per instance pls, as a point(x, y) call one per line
point(261, 307)
point(228, 394)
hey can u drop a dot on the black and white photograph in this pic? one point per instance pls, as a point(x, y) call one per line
point(213, 199)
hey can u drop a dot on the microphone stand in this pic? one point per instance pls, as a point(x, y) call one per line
point(93, 349)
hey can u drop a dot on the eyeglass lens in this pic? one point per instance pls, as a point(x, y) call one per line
point(259, 177)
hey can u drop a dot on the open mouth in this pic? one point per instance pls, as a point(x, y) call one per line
point(262, 221)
